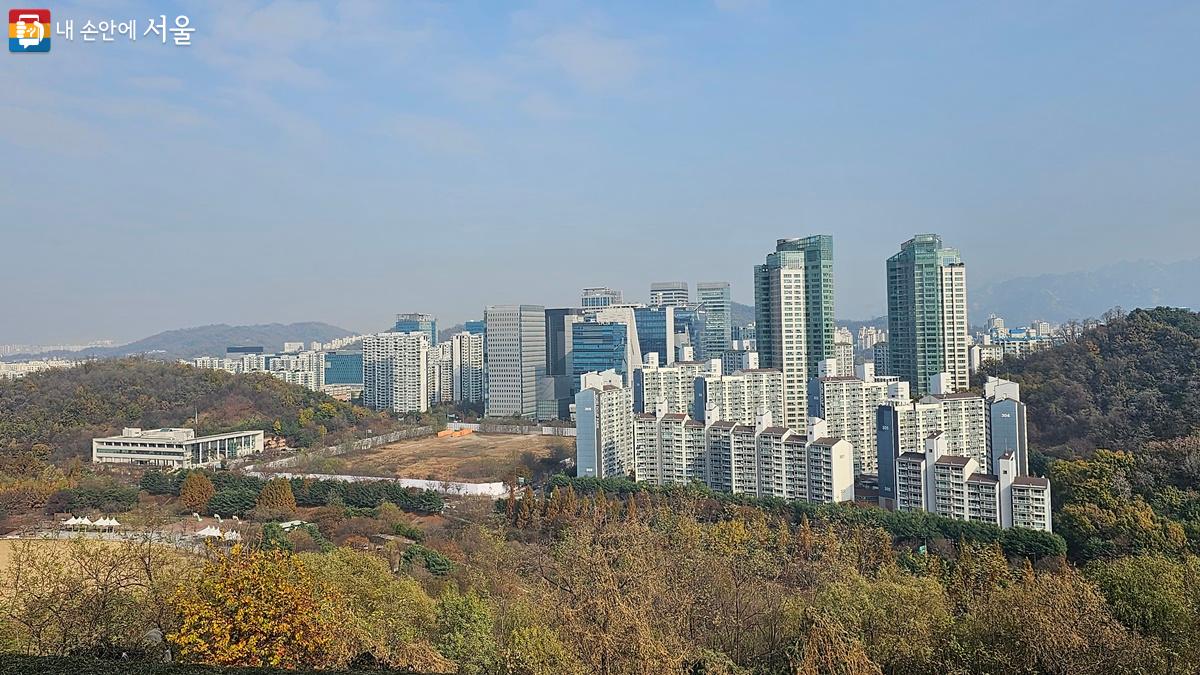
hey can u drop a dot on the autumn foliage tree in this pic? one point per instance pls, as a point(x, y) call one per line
point(260, 608)
point(195, 491)
point(276, 495)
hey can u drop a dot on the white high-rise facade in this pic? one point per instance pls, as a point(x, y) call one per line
point(466, 354)
point(441, 374)
point(604, 441)
point(849, 406)
point(844, 356)
point(740, 397)
point(954, 486)
point(396, 372)
point(756, 459)
point(669, 294)
point(515, 349)
point(670, 389)
point(955, 335)
point(781, 285)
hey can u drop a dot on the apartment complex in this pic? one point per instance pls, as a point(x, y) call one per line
point(466, 364)
point(663, 448)
point(954, 486)
point(396, 371)
point(849, 405)
point(983, 428)
point(604, 433)
point(441, 374)
point(670, 388)
point(304, 368)
point(739, 397)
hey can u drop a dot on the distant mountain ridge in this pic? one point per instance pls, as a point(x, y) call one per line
point(211, 340)
point(1080, 295)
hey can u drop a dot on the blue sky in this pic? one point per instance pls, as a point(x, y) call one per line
point(343, 161)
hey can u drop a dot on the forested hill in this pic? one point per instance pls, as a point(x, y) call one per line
point(1117, 386)
point(66, 408)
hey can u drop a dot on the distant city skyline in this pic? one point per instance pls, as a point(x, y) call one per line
point(459, 156)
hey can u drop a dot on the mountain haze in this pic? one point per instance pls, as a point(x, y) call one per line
point(1080, 295)
point(187, 343)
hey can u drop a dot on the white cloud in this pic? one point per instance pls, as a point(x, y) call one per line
point(157, 82)
point(591, 60)
point(474, 83)
point(739, 5)
point(544, 107)
point(435, 134)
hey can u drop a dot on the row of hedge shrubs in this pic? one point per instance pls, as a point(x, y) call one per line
point(236, 493)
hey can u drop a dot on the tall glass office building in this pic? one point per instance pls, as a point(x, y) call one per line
point(927, 313)
point(558, 326)
point(417, 323)
point(343, 367)
point(598, 347)
point(718, 306)
point(689, 326)
point(656, 331)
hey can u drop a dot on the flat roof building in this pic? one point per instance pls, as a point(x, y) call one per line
point(174, 448)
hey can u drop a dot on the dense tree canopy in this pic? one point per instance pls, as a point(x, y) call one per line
point(1115, 414)
point(66, 408)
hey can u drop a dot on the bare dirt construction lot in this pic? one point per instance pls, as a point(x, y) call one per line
point(472, 458)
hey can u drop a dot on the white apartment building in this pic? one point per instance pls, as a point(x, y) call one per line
point(305, 368)
point(670, 389)
point(515, 357)
point(740, 397)
point(1030, 503)
point(869, 336)
point(955, 336)
point(739, 358)
point(780, 287)
point(441, 373)
point(984, 428)
point(669, 449)
point(604, 436)
point(13, 371)
point(756, 459)
point(174, 448)
point(849, 406)
point(844, 358)
point(396, 372)
point(981, 353)
point(952, 486)
point(466, 354)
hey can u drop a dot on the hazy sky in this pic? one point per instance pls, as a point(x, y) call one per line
point(345, 161)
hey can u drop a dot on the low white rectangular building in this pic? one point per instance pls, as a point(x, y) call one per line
point(174, 448)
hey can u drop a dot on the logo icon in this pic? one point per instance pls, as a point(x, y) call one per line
point(28, 30)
